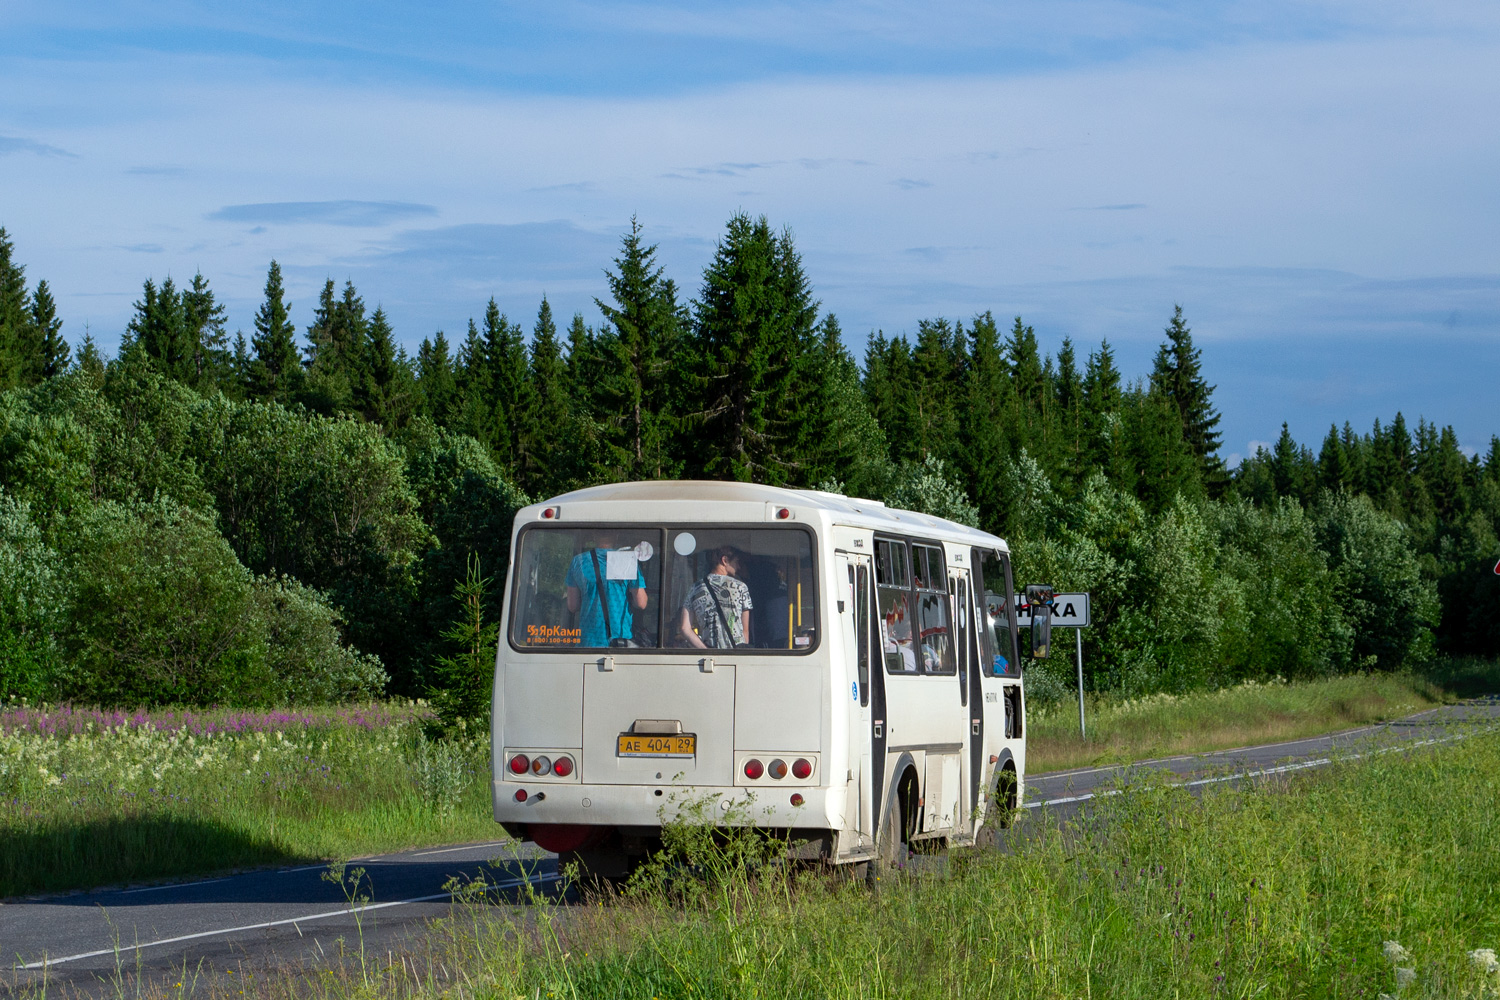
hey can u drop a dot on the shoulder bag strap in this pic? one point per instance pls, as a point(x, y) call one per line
point(603, 591)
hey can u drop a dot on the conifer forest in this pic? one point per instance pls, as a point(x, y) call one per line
point(286, 515)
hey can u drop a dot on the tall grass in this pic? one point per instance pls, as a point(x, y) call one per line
point(99, 798)
point(1161, 725)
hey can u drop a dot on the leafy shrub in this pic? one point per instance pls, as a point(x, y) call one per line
point(160, 608)
point(927, 488)
point(305, 655)
point(1376, 581)
point(29, 595)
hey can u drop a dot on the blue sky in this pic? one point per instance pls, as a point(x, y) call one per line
point(1316, 183)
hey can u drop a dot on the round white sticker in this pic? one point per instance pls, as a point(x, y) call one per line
point(644, 551)
point(685, 543)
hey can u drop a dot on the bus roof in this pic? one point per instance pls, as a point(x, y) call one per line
point(852, 511)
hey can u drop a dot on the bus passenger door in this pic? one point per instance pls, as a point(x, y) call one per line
point(857, 583)
point(970, 694)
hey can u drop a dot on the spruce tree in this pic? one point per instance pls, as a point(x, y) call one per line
point(890, 388)
point(435, 378)
point(88, 359)
point(14, 332)
point(935, 368)
point(1178, 373)
point(159, 329)
point(986, 398)
point(1024, 358)
point(549, 460)
point(850, 446)
point(275, 373)
point(637, 395)
point(752, 331)
point(508, 386)
point(385, 395)
point(46, 328)
point(204, 339)
point(1333, 466)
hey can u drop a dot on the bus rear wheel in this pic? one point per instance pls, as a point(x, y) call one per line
point(893, 840)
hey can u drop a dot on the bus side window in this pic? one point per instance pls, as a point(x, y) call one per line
point(893, 581)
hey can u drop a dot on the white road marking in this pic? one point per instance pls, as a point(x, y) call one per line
point(450, 850)
point(47, 962)
point(174, 885)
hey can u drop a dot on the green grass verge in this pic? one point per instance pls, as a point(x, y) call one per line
point(1163, 725)
point(134, 803)
point(1372, 876)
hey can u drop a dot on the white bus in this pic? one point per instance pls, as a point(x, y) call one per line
point(835, 670)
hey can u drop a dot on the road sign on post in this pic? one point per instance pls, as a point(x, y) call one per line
point(1072, 611)
point(1068, 611)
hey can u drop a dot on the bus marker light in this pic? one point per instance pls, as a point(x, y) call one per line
point(562, 766)
point(802, 768)
point(519, 764)
point(777, 769)
point(549, 513)
point(541, 765)
point(754, 769)
point(797, 799)
point(520, 795)
point(783, 514)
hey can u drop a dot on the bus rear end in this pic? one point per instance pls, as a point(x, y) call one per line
point(652, 668)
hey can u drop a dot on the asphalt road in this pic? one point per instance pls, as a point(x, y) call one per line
point(89, 941)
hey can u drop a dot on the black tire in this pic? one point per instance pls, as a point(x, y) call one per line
point(1002, 808)
point(893, 841)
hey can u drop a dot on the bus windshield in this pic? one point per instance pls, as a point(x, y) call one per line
point(684, 588)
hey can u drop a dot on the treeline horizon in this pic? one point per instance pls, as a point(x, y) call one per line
point(747, 381)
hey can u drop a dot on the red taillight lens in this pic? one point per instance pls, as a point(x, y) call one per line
point(519, 764)
point(777, 769)
point(520, 795)
point(541, 766)
point(549, 512)
point(754, 769)
point(802, 768)
point(562, 766)
point(797, 799)
point(783, 514)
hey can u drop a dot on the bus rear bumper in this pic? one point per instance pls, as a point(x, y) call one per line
point(647, 806)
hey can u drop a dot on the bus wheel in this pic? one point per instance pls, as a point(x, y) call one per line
point(598, 870)
point(1002, 810)
point(893, 841)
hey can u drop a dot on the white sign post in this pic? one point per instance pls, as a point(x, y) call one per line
point(1069, 611)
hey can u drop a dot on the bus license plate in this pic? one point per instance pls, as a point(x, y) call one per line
point(675, 745)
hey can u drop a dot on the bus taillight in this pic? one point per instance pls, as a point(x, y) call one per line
point(541, 765)
point(777, 769)
point(520, 795)
point(797, 799)
point(562, 766)
point(519, 764)
point(802, 768)
point(754, 769)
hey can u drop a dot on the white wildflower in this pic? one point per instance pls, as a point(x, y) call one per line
point(1484, 959)
point(1404, 977)
point(1395, 952)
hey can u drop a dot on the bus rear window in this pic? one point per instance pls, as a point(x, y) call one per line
point(685, 588)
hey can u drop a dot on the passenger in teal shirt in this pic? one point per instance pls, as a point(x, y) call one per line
point(583, 593)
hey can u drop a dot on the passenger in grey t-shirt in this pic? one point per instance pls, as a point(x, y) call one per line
point(717, 600)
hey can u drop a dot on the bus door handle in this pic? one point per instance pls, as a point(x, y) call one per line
point(879, 728)
point(606, 663)
point(707, 663)
point(974, 725)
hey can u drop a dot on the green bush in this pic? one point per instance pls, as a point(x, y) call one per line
point(1377, 582)
point(306, 658)
point(29, 596)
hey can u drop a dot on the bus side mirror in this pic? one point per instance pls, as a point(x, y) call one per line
point(1039, 599)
